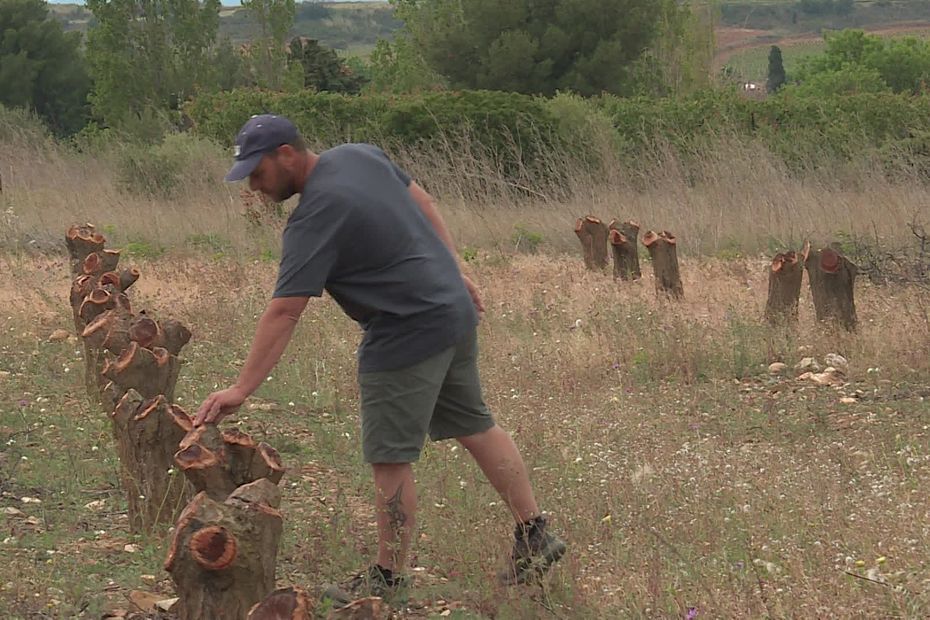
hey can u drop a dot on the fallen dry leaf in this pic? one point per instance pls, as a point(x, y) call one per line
point(144, 601)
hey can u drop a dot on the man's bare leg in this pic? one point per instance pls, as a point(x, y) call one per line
point(501, 462)
point(395, 507)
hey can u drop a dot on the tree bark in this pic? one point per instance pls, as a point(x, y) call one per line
point(148, 371)
point(592, 233)
point(222, 557)
point(832, 280)
point(662, 249)
point(147, 433)
point(625, 251)
point(785, 275)
point(218, 463)
point(284, 604)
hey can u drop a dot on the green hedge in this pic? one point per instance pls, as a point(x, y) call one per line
point(801, 130)
point(506, 125)
point(519, 130)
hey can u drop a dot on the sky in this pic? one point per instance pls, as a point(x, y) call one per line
point(225, 2)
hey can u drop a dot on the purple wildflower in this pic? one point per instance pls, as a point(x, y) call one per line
point(692, 613)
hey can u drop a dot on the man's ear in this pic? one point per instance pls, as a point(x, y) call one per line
point(287, 151)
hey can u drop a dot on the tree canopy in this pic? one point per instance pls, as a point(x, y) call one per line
point(41, 67)
point(858, 62)
point(533, 46)
point(150, 54)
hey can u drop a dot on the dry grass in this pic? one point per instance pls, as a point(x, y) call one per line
point(744, 202)
point(682, 474)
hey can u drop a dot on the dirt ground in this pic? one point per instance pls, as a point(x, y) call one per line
point(731, 41)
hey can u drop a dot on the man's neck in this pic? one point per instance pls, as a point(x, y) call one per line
point(309, 166)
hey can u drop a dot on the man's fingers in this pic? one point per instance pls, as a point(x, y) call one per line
point(206, 413)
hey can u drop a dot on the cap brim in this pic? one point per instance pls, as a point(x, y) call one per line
point(243, 167)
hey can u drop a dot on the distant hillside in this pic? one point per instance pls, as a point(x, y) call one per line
point(347, 26)
point(803, 16)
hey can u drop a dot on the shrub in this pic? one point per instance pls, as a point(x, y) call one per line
point(525, 240)
point(161, 169)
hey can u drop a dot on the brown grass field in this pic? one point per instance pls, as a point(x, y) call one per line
point(683, 475)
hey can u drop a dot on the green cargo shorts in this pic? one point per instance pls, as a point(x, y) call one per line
point(440, 395)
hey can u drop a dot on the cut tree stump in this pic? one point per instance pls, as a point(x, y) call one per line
point(623, 239)
point(223, 554)
point(284, 604)
point(218, 463)
point(832, 280)
point(131, 368)
point(592, 233)
point(147, 433)
point(148, 371)
point(662, 248)
point(785, 275)
point(81, 241)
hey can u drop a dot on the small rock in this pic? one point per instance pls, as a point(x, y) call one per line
point(97, 504)
point(848, 400)
point(166, 604)
point(13, 512)
point(130, 548)
point(837, 361)
point(30, 500)
point(808, 363)
point(147, 579)
point(777, 368)
point(59, 335)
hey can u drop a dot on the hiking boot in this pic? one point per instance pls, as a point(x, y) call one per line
point(374, 581)
point(535, 550)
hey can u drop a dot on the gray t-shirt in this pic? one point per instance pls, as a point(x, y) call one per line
point(358, 234)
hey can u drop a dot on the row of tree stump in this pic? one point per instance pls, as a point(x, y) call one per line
point(224, 547)
point(832, 276)
point(832, 279)
point(621, 237)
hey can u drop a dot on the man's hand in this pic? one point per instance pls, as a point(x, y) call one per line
point(219, 405)
point(475, 294)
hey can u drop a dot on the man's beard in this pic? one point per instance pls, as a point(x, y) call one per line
point(283, 193)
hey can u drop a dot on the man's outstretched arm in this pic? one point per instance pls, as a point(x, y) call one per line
point(426, 204)
point(274, 331)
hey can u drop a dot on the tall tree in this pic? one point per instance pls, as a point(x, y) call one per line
point(398, 67)
point(532, 46)
point(41, 67)
point(777, 76)
point(680, 59)
point(150, 54)
point(322, 68)
point(269, 51)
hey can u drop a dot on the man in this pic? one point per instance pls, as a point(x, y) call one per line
point(374, 240)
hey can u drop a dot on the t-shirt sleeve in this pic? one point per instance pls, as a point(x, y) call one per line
point(310, 247)
point(398, 171)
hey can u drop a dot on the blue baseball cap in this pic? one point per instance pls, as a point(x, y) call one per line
point(261, 134)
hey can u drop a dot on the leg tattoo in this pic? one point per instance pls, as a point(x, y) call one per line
point(396, 516)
